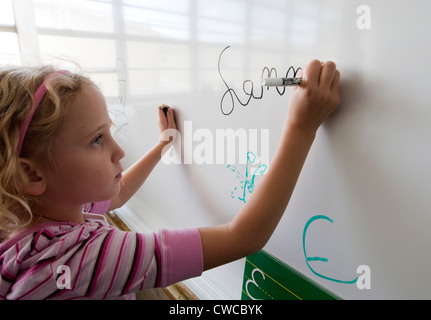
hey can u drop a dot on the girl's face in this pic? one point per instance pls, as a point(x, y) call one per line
point(87, 158)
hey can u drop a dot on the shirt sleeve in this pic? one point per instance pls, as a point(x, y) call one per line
point(144, 261)
point(179, 255)
point(123, 263)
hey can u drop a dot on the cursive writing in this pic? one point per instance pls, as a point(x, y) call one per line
point(248, 87)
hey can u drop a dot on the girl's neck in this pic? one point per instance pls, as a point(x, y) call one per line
point(38, 219)
point(61, 213)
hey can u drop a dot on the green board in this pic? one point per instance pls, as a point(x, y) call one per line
point(267, 278)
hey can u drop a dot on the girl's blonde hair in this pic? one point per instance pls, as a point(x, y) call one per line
point(17, 88)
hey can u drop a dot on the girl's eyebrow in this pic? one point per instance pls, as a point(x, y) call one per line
point(95, 131)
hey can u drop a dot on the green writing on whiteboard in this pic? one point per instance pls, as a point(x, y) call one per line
point(247, 181)
point(308, 259)
point(267, 278)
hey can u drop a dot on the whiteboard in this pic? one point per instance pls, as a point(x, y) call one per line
point(368, 170)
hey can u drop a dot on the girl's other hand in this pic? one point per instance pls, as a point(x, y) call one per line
point(166, 120)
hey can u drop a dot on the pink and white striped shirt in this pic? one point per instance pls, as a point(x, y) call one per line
point(104, 262)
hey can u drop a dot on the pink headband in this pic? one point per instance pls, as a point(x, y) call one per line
point(38, 96)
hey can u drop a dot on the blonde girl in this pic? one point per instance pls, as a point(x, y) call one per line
point(60, 166)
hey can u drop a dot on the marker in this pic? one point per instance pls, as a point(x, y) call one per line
point(280, 82)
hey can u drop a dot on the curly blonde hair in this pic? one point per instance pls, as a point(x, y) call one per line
point(17, 88)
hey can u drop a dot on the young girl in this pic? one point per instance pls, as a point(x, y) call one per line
point(59, 165)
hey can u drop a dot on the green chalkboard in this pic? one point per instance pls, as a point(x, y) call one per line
point(267, 278)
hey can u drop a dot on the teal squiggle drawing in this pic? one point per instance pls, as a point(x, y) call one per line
point(247, 181)
point(307, 259)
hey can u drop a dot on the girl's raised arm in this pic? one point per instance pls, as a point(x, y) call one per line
point(250, 230)
point(135, 176)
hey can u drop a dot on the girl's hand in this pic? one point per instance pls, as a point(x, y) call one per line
point(167, 125)
point(316, 98)
point(166, 121)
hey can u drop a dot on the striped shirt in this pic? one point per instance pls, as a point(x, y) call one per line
point(101, 261)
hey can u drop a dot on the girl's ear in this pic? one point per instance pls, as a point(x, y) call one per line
point(36, 183)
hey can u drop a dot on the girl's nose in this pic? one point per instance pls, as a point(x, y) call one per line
point(118, 153)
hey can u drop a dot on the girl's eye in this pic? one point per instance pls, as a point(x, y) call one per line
point(97, 141)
